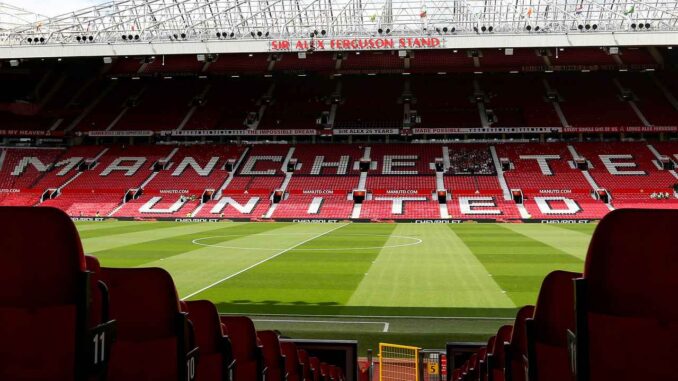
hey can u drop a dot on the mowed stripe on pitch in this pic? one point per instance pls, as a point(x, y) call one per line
point(84, 226)
point(517, 262)
point(149, 253)
point(107, 242)
point(441, 271)
point(122, 229)
point(321, 272)
point(214, 272)
point(574, 243)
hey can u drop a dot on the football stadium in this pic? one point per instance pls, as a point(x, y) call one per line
point(357, 190)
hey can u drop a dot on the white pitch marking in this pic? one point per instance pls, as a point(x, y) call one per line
point(386, 324)
point(263, 261)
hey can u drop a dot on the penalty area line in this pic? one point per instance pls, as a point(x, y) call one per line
point(263, 261)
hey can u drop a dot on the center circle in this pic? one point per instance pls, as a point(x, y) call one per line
point(412, 242)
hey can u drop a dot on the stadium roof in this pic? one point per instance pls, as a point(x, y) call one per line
point(12, 17)
point(150, 27)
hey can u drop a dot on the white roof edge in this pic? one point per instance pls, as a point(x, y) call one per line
point(600, 39)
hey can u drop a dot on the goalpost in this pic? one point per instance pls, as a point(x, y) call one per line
point(398, 362)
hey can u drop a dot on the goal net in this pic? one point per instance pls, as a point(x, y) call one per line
point(398, 362)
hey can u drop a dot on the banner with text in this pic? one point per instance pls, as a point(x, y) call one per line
point(295, 132)
point(339, 44)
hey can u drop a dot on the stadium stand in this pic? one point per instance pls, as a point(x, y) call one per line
point(238, 181)
point(196, 124)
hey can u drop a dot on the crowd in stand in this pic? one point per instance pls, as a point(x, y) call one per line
point(660, 196)
point(465, 160)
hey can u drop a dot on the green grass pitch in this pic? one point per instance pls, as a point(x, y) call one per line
point(419, 284)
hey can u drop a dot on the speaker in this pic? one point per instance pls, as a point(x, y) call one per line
point(359, 196)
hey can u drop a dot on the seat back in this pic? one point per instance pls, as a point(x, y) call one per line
point(96, 296)
point(516, 365)
point(305, 361)
point(43, 281)
point(292, 362)
point(275, 363)
point(497, 361)
point(244, 348)
point(324, 371)
point(210, 339)
point(548, 357)
point(151, 330)
point(629, 286)
point(484, 373)
point(315, 368)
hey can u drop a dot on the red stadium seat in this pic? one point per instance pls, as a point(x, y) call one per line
point(516, 351)
point(215, 350)
point(305, 361)
point(472, 371)
point(626, 315)
point(497, 360)
point(336, 373)
point(273, 358)
point(293, 365)
point(482, 363)
point(488, 352)
point(154, 336)
point(325, 371)
point(547, 349)
point(44, 280)
point(246, 352)
point(316, 370)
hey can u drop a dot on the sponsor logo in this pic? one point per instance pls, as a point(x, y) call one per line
point(87, 219)
point(309, 221)
point(565, 221)
point(10, 191)
point(437, 221)
point(174, 191)
point(319, 191)
point(555, 191)
point(197, 220)
point(402, 191)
